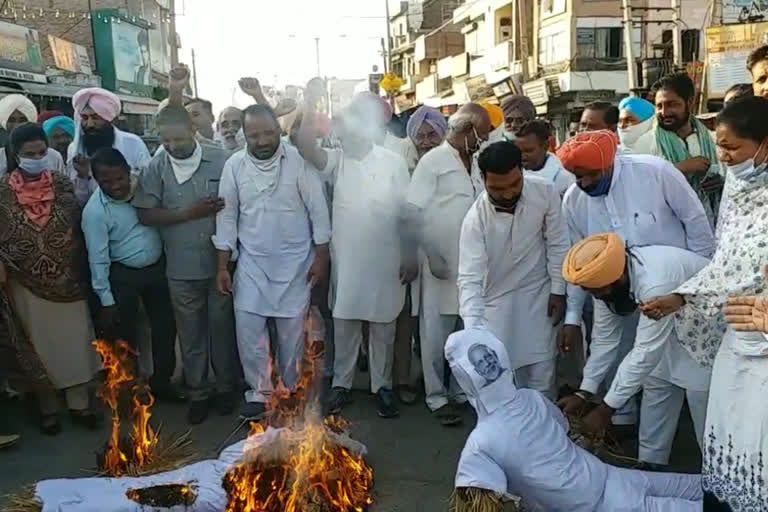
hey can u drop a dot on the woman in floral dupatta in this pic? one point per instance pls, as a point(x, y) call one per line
point(735, 470)
point(41, 261)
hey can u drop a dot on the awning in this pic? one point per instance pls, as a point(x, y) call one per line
point(138, 105)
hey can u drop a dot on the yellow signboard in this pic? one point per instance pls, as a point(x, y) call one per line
point(727, 49)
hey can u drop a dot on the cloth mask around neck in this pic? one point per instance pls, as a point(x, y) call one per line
point(271, 163)
point(36, 167)
point(481, 366)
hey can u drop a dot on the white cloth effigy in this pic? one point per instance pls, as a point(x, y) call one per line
point(108, 494)
point(736, 269)
point(520, 446)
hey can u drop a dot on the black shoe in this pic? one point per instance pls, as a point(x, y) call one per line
point(88, 419)
point(253, 411)
point(448, 415)
point(338, 400)
point(225, 403)
point(198, 412)
point(167, 392)
point(385, 404)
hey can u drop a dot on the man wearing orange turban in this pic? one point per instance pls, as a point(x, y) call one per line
point(644, 199)
point(590, 156)
point(620, 279)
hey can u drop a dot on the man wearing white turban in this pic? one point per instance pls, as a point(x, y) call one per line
point(95, 112)
point(16, 110)
point(521, 447)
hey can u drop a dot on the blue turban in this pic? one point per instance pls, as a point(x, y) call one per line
point(429, 115)
point(63, 122)
point(641, 108)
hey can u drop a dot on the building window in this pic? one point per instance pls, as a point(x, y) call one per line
point(551, 8)
point(689, 40)
point(400, 29)
point(553, 48)
point(600, 43)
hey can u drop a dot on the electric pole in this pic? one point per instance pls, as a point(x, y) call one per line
point(174, 40)
point(317, 54)
point(194, 73)
point(385, 46)
point(628, 48)
point(522, 17)
point(677, 51)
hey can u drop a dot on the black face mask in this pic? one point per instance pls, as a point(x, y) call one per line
point(621, 301)
point(504, 205)
point(93, 140)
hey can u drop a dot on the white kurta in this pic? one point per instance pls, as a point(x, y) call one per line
point(649, 203)
point(273, 220)
point(368, 200)
point(443, 190)
point(521, 447)
point(554, 172)
point(509, 265)
point(655, 271)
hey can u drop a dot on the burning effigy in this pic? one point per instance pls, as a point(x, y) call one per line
point(293, 461)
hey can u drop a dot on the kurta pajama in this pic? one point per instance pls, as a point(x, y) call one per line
point(509, 266)
point(554, 172)
point(521, 447)
point(272, 219)
point(649, 203)
point(368, 200)
point(657, 363)
point(443, 191)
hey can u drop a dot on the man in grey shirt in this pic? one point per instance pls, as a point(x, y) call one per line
point(178, 192)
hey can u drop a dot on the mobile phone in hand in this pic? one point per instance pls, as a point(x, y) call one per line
point(213, 188)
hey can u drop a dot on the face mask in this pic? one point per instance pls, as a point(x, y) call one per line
point(504, 205)
point(620, 301)
point(36, 167)
point(747, 169)
point(600, 188)
point(478, 143)
point(509, 136)
point(629, 135)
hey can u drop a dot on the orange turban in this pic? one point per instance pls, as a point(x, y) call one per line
point(596, 261)
point(495, 113)
point(589, 150)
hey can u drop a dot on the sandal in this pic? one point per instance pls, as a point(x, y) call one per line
point(50, 425)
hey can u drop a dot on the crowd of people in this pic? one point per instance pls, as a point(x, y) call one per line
point(622, 246)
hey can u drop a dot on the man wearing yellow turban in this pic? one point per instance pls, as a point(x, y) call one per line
point(620, 279)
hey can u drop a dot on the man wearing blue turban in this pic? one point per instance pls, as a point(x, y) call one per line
point(60, 131)
point(635, 119)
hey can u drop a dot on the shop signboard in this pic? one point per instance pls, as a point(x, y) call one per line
point(20, 57)
point(70, 56)
point(727, 49)
point(123, 53)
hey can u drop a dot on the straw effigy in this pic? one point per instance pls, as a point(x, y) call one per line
point(472, 499)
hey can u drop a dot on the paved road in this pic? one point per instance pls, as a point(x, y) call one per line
point(413, 457)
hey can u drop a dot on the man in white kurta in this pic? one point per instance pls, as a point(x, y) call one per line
point(276, 219)
point(510, 256)
point(657, 363)
point(368, 275)
point(443, 188)
point(642, 198)
point(521, 447)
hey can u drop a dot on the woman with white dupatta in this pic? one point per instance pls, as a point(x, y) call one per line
point(735, 469)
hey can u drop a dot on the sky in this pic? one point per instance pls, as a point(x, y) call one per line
point(273, 40)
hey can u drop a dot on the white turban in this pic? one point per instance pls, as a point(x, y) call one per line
point(9, 104)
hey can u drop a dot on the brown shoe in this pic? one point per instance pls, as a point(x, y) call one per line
point(448, 416)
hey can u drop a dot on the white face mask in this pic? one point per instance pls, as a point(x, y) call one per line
point(747, 169)
point(631, 134)
point(35, 167)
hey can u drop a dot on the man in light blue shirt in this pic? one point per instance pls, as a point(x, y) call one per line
point(127, 264)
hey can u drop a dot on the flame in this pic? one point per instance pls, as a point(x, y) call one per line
point(306, 470)
point(117, 363)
